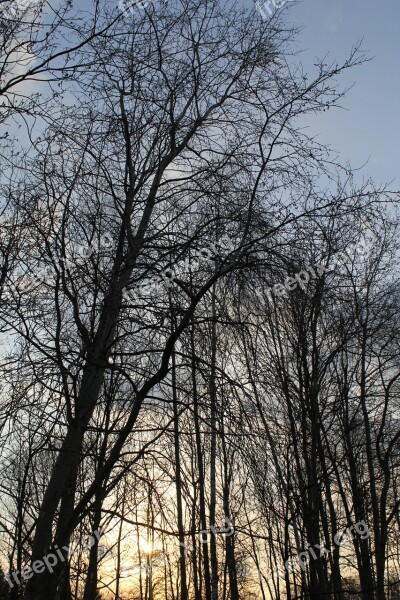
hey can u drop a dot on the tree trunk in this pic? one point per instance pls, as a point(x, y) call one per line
point(199, 452)
point(213, 458)
point(178, 480)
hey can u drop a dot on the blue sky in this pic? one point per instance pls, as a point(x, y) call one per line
point(368, 130)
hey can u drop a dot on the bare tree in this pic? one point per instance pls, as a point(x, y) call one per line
point(165, 187)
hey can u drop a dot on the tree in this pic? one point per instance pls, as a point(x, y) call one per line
point(135, 326)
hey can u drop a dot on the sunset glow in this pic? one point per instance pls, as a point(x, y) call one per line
point(146, 546)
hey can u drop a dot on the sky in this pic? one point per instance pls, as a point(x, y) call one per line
point(368, 128)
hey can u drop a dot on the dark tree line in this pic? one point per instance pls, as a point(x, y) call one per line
point(156, 185)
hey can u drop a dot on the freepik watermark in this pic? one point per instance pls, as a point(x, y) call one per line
point(303, 558)
point(270, 6)
point(227, 530)
point(49, 561)
point(127, 6)
point(75, 255)
point(167, 276)
point(204, 537)
point(302, 278)
point(14, 8)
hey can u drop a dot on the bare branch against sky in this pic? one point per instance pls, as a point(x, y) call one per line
point(199, 298)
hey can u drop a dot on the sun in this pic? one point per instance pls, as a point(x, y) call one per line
point(146, 546)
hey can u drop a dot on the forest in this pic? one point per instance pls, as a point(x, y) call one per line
point(199, 332)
